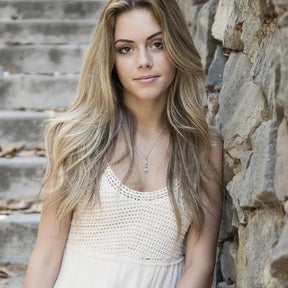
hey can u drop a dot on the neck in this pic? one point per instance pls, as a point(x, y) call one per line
point(148, 116)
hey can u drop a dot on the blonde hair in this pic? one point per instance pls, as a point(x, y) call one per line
point(80, 142)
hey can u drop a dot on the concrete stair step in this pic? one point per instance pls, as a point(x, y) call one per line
point(46, 31)
point(21, 176)
point(16, 126)
point(20, 91)
point(18, 234)
point(42, 58)
point(50, 9)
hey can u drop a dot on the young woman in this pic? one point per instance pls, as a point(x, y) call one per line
point(132, 190)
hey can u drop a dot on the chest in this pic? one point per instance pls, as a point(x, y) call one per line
point(149, 169)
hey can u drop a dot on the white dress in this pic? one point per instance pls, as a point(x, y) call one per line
point(130, 242)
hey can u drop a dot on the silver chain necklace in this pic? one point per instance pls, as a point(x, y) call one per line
point(146, 156)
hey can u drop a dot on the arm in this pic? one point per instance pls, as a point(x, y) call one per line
point(46, 258)
point(201, 249)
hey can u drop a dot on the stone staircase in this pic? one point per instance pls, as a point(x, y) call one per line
point(42, 44)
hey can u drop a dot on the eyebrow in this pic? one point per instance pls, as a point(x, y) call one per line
point(130, 41)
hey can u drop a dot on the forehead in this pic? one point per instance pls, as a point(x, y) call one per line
point(136, 24)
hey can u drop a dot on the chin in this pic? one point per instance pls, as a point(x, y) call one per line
point(150, 97)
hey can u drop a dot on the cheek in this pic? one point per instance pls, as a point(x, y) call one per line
point(172, 72)
point(120, 69)
point(123, 69)
point(167, 67)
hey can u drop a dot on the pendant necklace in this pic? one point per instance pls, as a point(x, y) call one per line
point(146, 156)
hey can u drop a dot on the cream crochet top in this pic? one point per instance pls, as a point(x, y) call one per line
point(130, 226)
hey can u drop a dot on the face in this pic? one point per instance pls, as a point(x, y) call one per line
point(141, 63)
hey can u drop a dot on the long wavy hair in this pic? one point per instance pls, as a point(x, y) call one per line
point(80, 142)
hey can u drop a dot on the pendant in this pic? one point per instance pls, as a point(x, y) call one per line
point(146, 170)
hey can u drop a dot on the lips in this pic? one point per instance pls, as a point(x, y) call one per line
point(147, 78)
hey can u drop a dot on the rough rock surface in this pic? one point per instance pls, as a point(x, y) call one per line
point(279, 266)
point(264, 226)
point(247, 98)
point(255, 187)
point(242, 105)
point(281, 179)
point(203, 36)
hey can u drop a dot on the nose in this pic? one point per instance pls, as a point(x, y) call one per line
point(144, 59)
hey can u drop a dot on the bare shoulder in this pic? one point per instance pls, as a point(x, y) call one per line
point(216, 149)
point(214, 170)
point(215, 137)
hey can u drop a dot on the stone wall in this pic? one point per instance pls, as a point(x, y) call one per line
point(244, 49)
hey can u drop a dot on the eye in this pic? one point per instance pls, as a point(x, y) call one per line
point(124, 50)
point(158, 44)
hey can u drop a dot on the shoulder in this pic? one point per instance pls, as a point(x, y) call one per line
point(215, 137)
point(215, 167)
